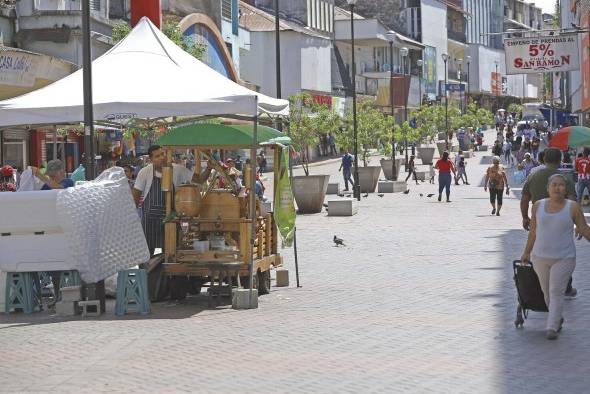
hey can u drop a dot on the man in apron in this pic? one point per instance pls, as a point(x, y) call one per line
point(148, 188)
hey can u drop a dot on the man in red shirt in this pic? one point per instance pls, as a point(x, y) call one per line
point(583, 169)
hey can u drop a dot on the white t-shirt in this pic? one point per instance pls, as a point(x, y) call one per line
point(143, 182)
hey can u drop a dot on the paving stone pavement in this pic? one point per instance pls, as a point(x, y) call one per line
point(420, 300)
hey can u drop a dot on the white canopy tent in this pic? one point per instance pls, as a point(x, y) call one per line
point(144, 76)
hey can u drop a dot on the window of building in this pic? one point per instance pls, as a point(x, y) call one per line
point(95, 5)
point(226, 9)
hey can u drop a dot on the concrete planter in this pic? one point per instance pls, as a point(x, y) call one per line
point(426, 154)
point(386, 167)
point(368, 178)
point(309, 192)
point(441, 146)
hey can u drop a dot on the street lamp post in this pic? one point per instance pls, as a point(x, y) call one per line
point(420, 64)
point(391, 36)
point(357, 186)
point(445, 58)
point(460, 78)
point(468, 58)
point(404, 53)
point(496, 84)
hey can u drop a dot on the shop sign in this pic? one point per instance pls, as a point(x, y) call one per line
point(17, 68)
point(541, 54)
point(496, 83)
point(322, 99)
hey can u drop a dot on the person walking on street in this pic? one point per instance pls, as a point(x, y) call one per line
point(551, 248)
point(445, 167)
point(345, 167)
point(535, 189)
point(582, 166)
point(412, 169)
point(535, 144)
point(541, 163)
point(508, 152)
point(496, 181)
point(461, 172)
point(528, 163)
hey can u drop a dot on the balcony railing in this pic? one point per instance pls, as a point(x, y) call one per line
point(368, 86)
point(456, 36)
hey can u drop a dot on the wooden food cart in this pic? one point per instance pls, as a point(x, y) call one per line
point(209, 225)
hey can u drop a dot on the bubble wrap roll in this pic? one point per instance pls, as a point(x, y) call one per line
point(106, 232)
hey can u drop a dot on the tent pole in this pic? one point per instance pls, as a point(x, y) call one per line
point(87, 87)
point(295, 228)
point(54, 142)
point(253, 200)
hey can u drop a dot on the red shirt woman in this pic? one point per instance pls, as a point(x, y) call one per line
point(445, 167)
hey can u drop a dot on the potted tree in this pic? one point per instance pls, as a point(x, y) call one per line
point(426, 126)
point(306, 121)
point(387, 135)
point(370, 126)
point(475, 117)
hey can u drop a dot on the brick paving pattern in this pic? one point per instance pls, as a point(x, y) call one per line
point(420, 300)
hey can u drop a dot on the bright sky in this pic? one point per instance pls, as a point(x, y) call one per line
point(548, 6)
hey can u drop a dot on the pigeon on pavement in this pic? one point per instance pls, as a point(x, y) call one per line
point(407, 191)
point(430, 195)
point(380, 194)
point(421, 195)
point(366, 195)
point(338, 241)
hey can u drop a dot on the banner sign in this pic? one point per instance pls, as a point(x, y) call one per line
point(541, 54)
point(429, 75)
point(18, 68)
point(284, 213)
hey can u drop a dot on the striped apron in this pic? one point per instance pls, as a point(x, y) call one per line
point(154, 211)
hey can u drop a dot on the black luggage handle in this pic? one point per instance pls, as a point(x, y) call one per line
point(522, 263)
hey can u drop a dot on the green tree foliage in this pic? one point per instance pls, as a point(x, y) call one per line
point(372, 128)
point(430, 120)
point(515, 107)
point(307, 122)
point(172, 31)
point(475, 117)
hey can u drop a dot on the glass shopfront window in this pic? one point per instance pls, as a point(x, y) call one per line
point(14, 153)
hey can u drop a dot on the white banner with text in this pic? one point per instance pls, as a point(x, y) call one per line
point(542, 54)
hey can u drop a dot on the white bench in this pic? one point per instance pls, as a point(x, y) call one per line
point(392, 186)
point(333, 188)
point(342, 207)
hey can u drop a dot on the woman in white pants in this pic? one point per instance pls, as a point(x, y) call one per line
point(551, 243)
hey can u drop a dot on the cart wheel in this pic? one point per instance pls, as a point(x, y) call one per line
point(178, 288)
point(263, 282)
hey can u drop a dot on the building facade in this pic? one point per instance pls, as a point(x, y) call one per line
point(41, 42)
point(305, 53)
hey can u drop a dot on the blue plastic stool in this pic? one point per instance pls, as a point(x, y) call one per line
point(132, 292)
point(23, 291)
point(69, 278)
